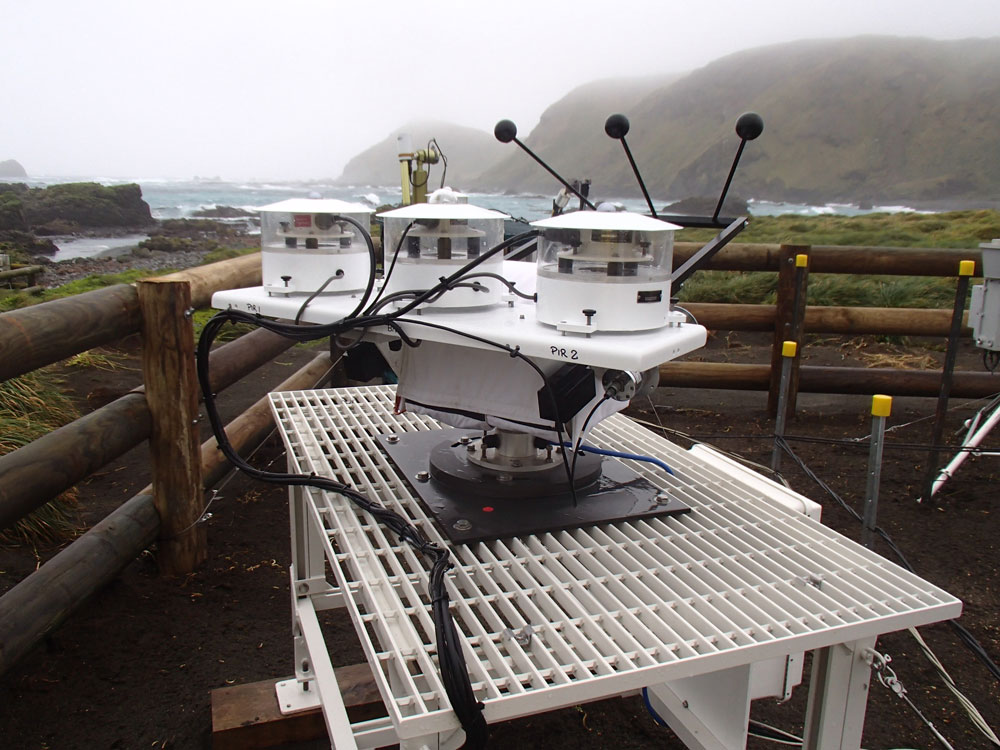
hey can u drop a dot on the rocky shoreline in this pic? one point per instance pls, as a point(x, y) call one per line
point(62, 272)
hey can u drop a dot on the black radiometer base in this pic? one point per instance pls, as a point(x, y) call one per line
point(466, 516)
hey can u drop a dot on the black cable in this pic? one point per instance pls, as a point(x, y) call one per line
point(388, 274)
point(579, 440)
point(314, 295)
point(451, 660)
point(963, 634)
point(444, 159)
point(506, 282)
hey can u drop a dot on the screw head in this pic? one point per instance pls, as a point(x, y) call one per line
point(464, 440)
point(462, 524)
point(423, 476)
point(394, 438)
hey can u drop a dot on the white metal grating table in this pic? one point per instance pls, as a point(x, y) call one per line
point(745, 580)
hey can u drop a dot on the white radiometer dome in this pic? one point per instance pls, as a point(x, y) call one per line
point(620, 221)
point(452, 211)
point(316, 206)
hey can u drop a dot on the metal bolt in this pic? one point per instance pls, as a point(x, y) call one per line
point(286, 279)
point(470, 448)
point(462, 524)
point(188, 313)
point(504, 477)
point(589, 313)
point(464, 440)
point(662, 498)
point(515, 463)
point(423, 476)
point(393, 438)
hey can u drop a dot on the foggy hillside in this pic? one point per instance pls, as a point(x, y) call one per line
point(862, 119)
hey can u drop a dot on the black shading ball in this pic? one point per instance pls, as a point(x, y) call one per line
point(749, 126)
point(505, 131)
point(616, 126)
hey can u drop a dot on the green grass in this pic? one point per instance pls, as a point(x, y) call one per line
point(15, 300)
point(760, 288)
point(949, 229)
point(30, 407)
point(961, 229)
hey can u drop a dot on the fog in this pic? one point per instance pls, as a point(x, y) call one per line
point(293, 89)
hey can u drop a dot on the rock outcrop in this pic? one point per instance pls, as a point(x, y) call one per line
point(12, 168)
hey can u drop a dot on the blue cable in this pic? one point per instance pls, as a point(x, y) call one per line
point(619, 454)
point(649, 707)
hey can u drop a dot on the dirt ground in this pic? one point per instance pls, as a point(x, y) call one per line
point(134, 668)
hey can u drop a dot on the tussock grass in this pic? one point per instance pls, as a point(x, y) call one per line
point(760, 288)
point(948, 229)
point(79, 286)
point(31, 406)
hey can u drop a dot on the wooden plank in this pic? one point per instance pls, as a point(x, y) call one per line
point(38, 605)
point(22, 271)
point(42, 601)
point(889, 261)
point(168, 369)
point(822, 379)
point(788, 324)
point(246, 717)
point(39, 471)
point(234, 273)
point(887, 321)
point(39, 335)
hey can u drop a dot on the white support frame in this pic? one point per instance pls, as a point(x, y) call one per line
point(714, 607)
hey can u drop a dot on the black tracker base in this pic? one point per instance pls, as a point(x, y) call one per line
point(467, 515)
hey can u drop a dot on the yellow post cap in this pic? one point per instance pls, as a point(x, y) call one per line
point(789, 349)
point(966, 267)
point(801, 260)
point(881, 405)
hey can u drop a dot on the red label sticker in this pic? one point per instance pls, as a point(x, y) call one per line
point(303, 220)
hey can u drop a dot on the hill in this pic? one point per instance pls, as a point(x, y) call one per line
point(12, 168)
point(570, 137)
point(469, 152)
point(878, 119)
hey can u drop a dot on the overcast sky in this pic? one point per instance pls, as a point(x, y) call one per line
point(294, 88)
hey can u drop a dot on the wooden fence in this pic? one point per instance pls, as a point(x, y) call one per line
point(790, 319)
point(165, 410)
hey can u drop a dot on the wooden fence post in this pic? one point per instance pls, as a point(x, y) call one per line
point(168, 367)
point(793, 278)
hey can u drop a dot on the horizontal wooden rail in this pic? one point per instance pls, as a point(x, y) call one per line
point(39, 335)
point(36, 336)
point(888, 261)
point(22, 271)
point(817, 379)
point(235, 273)
point(37, 472)
point(42, 601)
point(888, 321)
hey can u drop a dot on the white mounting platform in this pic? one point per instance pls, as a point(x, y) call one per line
point(692, 606)
point(513, 324)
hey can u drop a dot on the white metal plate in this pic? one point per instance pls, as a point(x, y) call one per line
point(613, 608)
point(513, 325)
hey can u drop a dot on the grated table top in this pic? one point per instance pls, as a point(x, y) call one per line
point(612, 608)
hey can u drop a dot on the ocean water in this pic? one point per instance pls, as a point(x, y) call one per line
point(174, 199)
